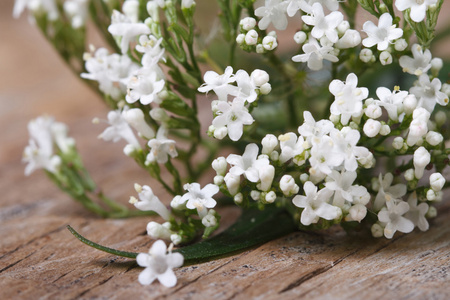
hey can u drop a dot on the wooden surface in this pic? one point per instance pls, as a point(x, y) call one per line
point(40, 259)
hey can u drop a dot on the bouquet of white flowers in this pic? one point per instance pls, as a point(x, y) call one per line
point(309, 145)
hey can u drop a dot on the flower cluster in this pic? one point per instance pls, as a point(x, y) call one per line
point(369, 156)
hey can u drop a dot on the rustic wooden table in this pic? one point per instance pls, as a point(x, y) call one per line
point(40, 259)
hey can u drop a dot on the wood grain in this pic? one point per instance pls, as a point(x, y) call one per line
point(39, 259)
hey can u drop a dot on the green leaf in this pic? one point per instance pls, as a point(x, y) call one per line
point(253, 228)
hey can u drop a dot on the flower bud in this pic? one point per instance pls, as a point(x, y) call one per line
point(259, 77)
point(288, 185)
point(343, 27)
point(158, 231)
point(218, 180)
point(421, 159)
point(409, 104)
point(248, 23)
point(135, 117)
point(233, 183)
point(240, 38)
point(366, 55)
point(385, 58)
point(271, 197)
point(274, 156)
point(266, 175)
point(177, 203)
point(238, 198)
point(440, 117)
point(409, 174)
point(397, 143)
point(350, 39)
point(265, 88)
point(159, 114)
point(269, 142)
point(385, 130)
point(373, 111)
point(431, 195)
point(269, 43)
point(431, 213)
point(129, 150)
point(251, 38)
point(260, 49)
point(325, 42)
point(434, 138)
point(300, 37)
point(400, 45)
point(436, 65)
point(255, 195)
point(220, 165)
point(220, 133)
point(437, 181)
point(372, 128)
point(377, 230)
point(358, 212)
point(176, 239)
point(304, 177)
point(209, 220)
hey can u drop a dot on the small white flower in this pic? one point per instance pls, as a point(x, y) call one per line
point(220, 84)
point(312, 130)
point(382, 34)
point(366, 55)
point(400, 45)
point(251, 38)
point(158, 231)
point(144, 86)
point(323, 25)
point(418, 127)
point(350, 39)
point(417, 213)
point(210, 219)
point(356, 213)
point(420, 62)
point(119, 129)
point(434, 138)
point(385, 58)
point(248, 23)
point(315, 205)
point(348, 98)
point(288, 185)
point(391, 101)
point(149, 202)
point(151, 47)
point(245, 164)
point(290, 146)
point(428, 93)
point(269, 143)
point(158, 265)
point(77, 11)
point(273, 11)
point(135, 117)
point(161, 147)
point(341, 185)
point(269, 43)
point(315, 54)
point(200, 199)
point(418, 7)
point(387, 191)
point(234, 116)
point(123, 27)
point(220, 165)
point(393, 217)
point(373, 111)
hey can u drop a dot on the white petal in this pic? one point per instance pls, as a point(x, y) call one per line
point(168, 278)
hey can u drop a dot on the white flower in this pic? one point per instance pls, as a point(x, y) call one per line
point(40, 151)
point(387, 191)
point(234, 116)
point(220, 84)
point(232, 182)
point(251, 37)
point(158, 265)
point(341, 185)
point(112, 72)
point(266, 173)
point(269, 43)
point(48, 7)
point(417, 213)
point(200, 199)
point(418, 7)
point(385, 58)
point(187, 4)
point(346, 141)
point(294, 6)
point(210, 219)
point(246, 86)
point(323, 25)
point(119, 129)
point(161, 147)
point(382, 34)
point(348, 98)
point(149, 201)
point(290, 146)
point(393, 217)
point(158, 231)
point(332, 5)
point(248, 23)
point(420, 62)
point(144, 86)
point(366, 55)
point(400, 45)
point(123, 27)
point(220, 165)
point(356, 213)
point(315, 54)
point(391, 101)
point(421, 159)
point(151, 47)
point(273, 11)
point(434, 138)
point(315, 205)
point(428, 93)
point(312, 130)
point(269, 143)
point(245, 164)
point(373, 111)
point(325, 155)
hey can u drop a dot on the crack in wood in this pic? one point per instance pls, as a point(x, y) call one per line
point(314, 273)
point(387, 244)
point(62, 276)
point(210, 272)
point(15, 263)
point(33, 240)
point(93, 287)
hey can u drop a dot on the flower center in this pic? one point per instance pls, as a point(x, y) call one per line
point(158, 264)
